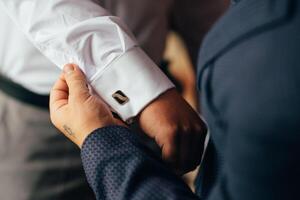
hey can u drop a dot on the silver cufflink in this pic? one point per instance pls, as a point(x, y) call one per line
point(120, 97)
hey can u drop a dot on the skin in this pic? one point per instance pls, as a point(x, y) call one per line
point(73, 110)
point(177, 129)
point(174, 125)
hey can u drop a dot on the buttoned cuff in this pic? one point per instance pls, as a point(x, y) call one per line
point(130, 83)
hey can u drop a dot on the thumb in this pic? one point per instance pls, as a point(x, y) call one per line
point(76, 81)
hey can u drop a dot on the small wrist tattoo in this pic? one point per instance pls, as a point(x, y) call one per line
point(69, 131)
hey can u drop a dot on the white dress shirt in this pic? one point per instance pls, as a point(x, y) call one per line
point(81, 32)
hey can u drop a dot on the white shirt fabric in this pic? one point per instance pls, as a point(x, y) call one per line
point(81, 32)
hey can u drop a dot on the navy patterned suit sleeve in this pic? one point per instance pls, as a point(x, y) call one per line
point(117, 166)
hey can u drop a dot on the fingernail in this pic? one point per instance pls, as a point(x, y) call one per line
point(68, 69)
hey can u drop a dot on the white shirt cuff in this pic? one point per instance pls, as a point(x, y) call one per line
point(130, 83)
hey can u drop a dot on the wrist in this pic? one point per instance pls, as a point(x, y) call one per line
point(89, 128)
point(151, 107)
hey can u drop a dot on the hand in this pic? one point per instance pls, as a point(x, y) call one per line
point(73, 110)
point(177, 129)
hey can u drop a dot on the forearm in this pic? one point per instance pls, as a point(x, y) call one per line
point(113, 158)
point(84, 33)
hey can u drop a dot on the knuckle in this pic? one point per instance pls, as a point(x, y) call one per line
point(186, 129)
point(77, 82)
point(53, 120)
point(172, 129)
point(200, 128)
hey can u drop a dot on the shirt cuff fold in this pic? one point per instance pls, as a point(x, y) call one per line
point(130, 83)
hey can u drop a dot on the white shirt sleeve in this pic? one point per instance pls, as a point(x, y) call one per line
point(82, 32)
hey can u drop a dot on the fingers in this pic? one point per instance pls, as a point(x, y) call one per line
point(59, 93)
point(76, 82)
point(189, 155)
point(170, 149)
point(191, 145)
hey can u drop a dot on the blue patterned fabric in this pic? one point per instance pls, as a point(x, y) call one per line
point(118, 167)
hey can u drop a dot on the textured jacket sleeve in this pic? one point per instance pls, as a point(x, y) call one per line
point(118, 167)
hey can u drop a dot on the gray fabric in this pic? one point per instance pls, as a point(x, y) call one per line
point(150, 21)
point(36, 162)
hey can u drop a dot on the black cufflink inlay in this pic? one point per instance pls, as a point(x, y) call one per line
point(120, 97)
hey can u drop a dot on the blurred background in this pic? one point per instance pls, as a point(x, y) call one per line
point(47, 166)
